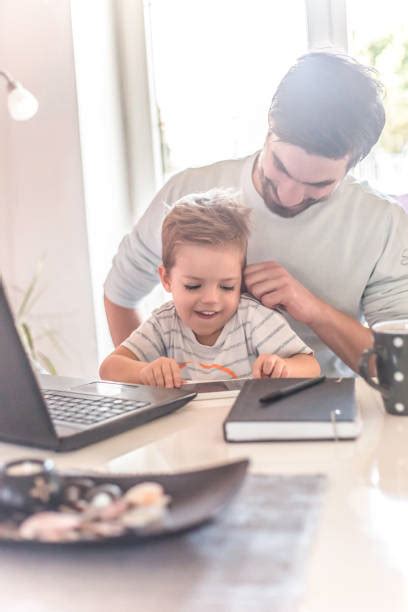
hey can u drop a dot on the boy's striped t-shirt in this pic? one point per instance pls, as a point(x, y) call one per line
point(253, 330)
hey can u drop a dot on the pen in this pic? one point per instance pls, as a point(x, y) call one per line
point(281, 393)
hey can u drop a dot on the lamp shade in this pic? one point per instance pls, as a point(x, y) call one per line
point(22, 105)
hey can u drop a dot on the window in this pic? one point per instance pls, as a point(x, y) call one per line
point(215, 67)
point(378, 36)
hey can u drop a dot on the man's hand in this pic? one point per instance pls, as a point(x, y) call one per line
point(162, 372)
point(269, 366)
point(273, 286)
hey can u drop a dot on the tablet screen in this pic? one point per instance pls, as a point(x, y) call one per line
point(215, 386)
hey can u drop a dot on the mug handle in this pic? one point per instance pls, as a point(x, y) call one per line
point(363, 370)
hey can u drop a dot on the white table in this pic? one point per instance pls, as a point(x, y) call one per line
point(359, 561)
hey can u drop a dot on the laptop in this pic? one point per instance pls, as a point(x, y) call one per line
point(63, 414)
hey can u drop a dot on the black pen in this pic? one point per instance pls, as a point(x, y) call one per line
point(281, 393)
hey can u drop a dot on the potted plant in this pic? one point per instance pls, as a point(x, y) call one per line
point(31, 335)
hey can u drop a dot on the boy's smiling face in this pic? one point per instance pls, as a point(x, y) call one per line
point(205, 282)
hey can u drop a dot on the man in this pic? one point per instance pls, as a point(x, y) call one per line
point(325, 249)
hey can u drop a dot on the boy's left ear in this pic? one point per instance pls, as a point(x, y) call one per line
point(164, 278)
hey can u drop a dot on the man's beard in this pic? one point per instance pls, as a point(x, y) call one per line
point(271, 199)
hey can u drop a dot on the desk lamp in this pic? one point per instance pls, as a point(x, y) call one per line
point(22, 105)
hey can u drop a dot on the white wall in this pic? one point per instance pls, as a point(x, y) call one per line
point(103, 146)
point(42, 198)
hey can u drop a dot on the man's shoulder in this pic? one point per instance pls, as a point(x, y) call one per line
point(374, 207)
point(229, 173)
point(365, 194)
point(164, 315)
point(225, 173)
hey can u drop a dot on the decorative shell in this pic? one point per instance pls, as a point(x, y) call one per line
point(49, 526)
point(144, 494)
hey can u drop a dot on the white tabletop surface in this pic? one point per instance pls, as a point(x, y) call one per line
point(359, 560)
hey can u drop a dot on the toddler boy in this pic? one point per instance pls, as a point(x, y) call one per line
point(209, 330)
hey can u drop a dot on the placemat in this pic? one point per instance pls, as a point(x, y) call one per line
point(252, 557)
point(256, 552)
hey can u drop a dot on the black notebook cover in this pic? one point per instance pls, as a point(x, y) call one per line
point(324, 411)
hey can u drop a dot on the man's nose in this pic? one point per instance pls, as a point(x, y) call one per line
point(291, 193)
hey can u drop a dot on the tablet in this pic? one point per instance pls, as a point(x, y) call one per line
point(215, 389)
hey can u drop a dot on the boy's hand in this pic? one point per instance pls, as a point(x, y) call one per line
point(162, 372)
point(270, 366)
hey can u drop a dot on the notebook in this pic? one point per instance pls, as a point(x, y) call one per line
point(63, 419)
point(325, 411)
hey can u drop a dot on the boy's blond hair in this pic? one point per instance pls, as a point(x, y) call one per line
point(215, 218)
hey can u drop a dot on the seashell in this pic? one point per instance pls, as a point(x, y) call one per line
point(102, 529)
point(81, 505)
point(101, 500)
point(74, 490)
point(65, 509)
point(144, 494)
point(112, 491)
point(136, 518)
point(59, 536)
point(114, 510)
point(72, 494)
point(48, 525)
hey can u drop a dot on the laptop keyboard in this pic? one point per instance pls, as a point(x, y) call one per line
point(87, 410)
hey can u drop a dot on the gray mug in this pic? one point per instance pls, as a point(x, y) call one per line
point(391, 351)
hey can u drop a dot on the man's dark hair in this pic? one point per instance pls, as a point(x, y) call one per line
point(329, 105)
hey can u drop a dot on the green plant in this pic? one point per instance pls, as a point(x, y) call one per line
point(27, 325)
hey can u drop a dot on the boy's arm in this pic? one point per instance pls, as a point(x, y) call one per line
point(281, 353)
point(123, 366)
point(272, 366)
